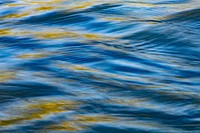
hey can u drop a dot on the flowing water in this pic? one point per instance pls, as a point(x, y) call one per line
point(100, 66)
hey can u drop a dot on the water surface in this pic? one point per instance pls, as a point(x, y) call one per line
point(98, 66)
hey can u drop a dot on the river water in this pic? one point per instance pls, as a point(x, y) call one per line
point(99, 66)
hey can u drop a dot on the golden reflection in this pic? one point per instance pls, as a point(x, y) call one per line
point(81, 5)
point(44, 8)
point(6, 75)
point(10, 122)
point(32, 56)
point(39, 110)
point(97, 37)
point(84, 119)
point(92, 36)
point(13, 5)
point(46, 108)
point(55, 34)
point(80, 68)
point(59, 34)
point(4, 32)
point(15, 15)
point(74, 67)
point(115, 19)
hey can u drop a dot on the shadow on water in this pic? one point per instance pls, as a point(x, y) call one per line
point(100, 66)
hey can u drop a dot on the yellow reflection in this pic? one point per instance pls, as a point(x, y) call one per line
point(32, 56)
point(16, 15)
point(46, 108)
point(10, 122)
point(97, 37)
point(74, 67)
point(40, 110)
point(5, 76)
point(4, 32)
point(13, 5)
point(81, 5)
point(92, 36)
point(115, 19)
point(81, 68)
point(44, 8)
point(56, 34)
point(93, 119)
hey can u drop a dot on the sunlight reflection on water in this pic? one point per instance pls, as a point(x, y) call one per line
point(99, 66)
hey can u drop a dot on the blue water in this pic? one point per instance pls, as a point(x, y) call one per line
point(98, 66)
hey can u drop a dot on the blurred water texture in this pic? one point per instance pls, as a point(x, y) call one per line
point(99, 66)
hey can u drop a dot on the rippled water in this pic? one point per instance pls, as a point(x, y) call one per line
point(99, 66)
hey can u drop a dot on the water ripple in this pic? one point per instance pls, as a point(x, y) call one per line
point(100, 66)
